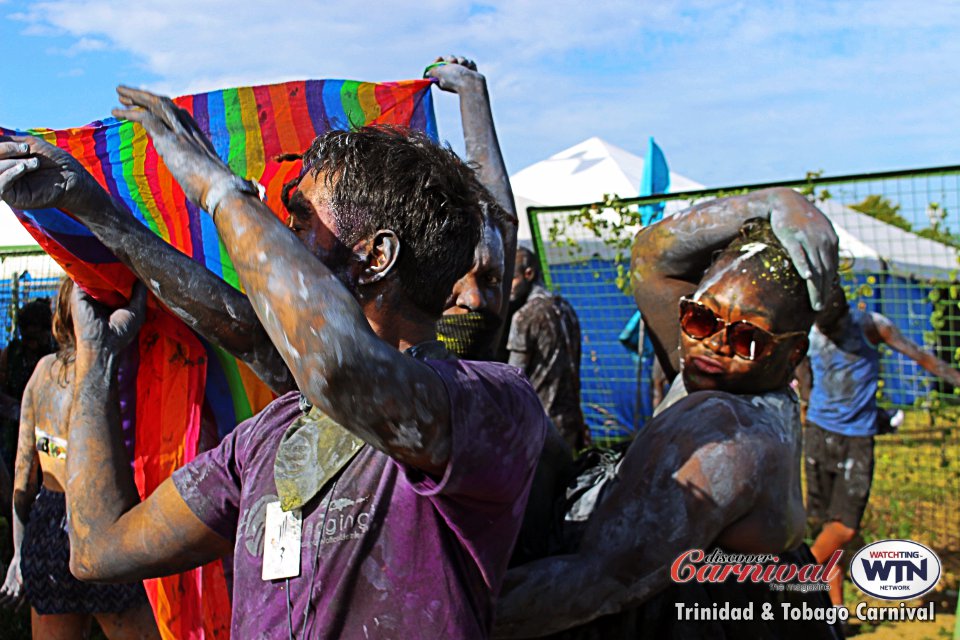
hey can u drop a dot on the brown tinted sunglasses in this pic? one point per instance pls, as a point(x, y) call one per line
point(746, 340)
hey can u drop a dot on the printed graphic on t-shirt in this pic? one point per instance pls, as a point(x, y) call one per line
point(346, 519)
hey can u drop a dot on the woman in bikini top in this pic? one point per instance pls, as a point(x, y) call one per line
point(61, 605)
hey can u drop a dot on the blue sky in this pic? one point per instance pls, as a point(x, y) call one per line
point(733, 91)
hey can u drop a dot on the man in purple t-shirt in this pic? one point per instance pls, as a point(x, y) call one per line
point(385, 501)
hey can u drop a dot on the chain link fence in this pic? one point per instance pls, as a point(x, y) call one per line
point(25, 274)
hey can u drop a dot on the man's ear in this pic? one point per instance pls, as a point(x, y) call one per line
point(529, 274)
point(381, 258)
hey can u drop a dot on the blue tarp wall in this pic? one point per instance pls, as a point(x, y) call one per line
point(28, 288)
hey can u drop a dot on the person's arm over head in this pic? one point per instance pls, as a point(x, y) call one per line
point(114, 536)
point(460, 76)
point(700, 482)
point(193, 293)
point(670, 257)
point(879, 328)
point(392, 401)
point(25, 484)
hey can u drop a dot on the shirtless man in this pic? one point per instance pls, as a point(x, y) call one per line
point(719, 466)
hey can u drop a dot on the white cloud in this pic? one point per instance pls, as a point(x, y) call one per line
point(181, 41)
point(86, 45)
point(733, 91)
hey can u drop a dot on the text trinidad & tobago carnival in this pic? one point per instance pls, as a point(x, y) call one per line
point(718, 566)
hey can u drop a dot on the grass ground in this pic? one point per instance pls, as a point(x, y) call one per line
point(939, 629)
point(916, 489)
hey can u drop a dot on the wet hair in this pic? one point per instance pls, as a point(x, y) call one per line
point(63, 323)
point(527, 259)
point(769, 268)
point(36, 313)
point(381, 177)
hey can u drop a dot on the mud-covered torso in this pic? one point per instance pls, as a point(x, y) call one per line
point(51, 397)
point(767, 423)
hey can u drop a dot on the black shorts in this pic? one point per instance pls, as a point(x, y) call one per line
point(45, 564)
point(839, 472)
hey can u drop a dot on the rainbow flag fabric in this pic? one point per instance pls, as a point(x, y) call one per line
point(179, 394)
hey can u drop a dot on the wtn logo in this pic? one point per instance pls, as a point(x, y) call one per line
point(903, 570)
point(895, 569)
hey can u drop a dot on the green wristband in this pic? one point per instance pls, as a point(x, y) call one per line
point(433, 66)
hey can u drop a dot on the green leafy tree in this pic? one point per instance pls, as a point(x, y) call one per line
point(882, 209)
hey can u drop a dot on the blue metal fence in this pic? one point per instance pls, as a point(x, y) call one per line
point(27, 275)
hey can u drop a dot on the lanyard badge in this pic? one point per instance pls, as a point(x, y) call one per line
point(281, 543)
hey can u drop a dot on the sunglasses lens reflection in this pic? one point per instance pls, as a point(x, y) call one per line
point(747, 341)
point(697, 321)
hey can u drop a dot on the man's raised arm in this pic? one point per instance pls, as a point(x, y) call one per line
point(113, 536)
point(459, 75)
point(207, 304)
point(879, 329)
point(390, 400)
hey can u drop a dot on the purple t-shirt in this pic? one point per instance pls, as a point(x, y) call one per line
point(402, 555)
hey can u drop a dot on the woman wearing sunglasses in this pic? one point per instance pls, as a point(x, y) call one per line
point(728, 289)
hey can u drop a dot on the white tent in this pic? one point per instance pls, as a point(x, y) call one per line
point(585, 172)
point(12, 234)
point(872, 246)
point(582, 174)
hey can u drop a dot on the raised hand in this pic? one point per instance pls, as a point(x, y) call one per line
point(812, 243)
point(100, 328)
point(453, 72)
point(183, 146)
point(37, 175)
